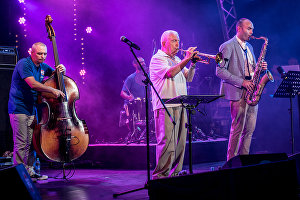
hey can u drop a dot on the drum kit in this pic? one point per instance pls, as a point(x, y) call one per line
point(134, 117)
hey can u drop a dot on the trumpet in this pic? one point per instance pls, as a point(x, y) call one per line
point(218, 57)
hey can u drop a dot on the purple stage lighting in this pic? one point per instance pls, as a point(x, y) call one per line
point(88, 29)
point(22, 20)
point(21, 1)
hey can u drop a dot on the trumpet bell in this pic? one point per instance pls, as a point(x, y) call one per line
point(219, 58)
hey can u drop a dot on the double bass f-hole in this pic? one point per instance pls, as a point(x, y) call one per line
point(61, 136)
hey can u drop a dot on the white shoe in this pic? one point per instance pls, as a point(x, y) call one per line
point(35, 175)
point(42, 177)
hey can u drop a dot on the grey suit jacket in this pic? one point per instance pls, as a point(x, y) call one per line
point(232, 69)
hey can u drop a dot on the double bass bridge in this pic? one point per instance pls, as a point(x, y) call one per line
point(63, 118)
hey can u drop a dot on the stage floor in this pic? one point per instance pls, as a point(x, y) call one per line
point(101, 184)
point(94, 184)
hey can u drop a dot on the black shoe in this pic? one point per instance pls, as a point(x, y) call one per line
point(182, 173)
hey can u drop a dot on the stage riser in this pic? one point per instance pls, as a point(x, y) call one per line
point(134, 156)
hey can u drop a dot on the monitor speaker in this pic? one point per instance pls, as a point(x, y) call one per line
point(254, 159)
point(17, 184)
point(296, 158)
point(275, 180)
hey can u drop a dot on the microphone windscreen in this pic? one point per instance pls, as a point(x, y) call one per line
point(122, 38)
point(280, 70)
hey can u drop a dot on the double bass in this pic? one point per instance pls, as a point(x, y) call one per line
point(60, 135)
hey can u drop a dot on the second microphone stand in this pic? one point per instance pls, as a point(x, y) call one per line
point(146, 82)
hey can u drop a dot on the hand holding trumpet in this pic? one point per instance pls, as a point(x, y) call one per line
point(191, 54)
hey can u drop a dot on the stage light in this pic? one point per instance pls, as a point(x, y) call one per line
point(89, 29)
point(82, 72)
point(75, 19)
point(21, 1)
point(29, 51)
point(22, 20)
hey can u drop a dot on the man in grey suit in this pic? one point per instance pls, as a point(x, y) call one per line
point(236, 72)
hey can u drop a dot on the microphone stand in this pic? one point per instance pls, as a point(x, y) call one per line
point(146, 82)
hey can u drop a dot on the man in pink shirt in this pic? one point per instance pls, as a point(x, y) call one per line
point(169, 76)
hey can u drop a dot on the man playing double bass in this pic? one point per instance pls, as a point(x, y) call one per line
point(26, 82)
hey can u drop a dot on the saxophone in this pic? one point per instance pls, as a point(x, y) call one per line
point(252, 97)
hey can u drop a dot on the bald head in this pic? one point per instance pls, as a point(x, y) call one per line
point(38, 53)
point(136, 65)
point(244, 29)
point(37, 45)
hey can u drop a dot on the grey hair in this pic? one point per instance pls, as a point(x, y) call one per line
point(165, 35)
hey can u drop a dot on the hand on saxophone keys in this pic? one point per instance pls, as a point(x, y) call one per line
point(249, 85)
point(264, 65)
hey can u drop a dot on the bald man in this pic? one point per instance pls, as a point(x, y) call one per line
point(237, 73)
point(26, 82)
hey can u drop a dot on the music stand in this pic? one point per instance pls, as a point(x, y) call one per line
point(288, 88)
point(190, 102)
point(146, 82)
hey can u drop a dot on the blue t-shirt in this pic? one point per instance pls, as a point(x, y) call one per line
point(134, 83)
point(22, 98)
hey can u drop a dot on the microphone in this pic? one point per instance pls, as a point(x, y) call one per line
point(131, 44)
point(281, 71)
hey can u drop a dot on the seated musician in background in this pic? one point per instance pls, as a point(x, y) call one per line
point(25, 85)
point(169, 75)
point(133, 87)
